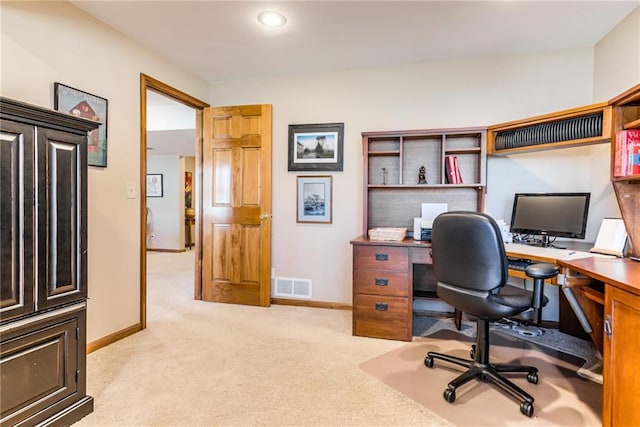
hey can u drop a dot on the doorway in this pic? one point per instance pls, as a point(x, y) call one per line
point(152, 88)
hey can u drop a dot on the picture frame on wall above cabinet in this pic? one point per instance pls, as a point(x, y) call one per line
point(83, 104)
point(314, 200)
point(316, 147)
point(154, 185)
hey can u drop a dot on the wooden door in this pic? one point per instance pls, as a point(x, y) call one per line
point(236, 205)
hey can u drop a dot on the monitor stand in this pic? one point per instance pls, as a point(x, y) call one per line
point(545, 243)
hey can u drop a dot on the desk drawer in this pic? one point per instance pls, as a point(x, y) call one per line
point(380, 257)
point(382, 317)
point(381, 282)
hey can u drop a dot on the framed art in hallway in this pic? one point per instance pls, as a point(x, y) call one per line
point(314, 204)
point(316, 147)
point(154, 185)
point(83, 104)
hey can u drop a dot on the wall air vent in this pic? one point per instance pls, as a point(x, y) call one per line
point(569, 129)
point(292, 288)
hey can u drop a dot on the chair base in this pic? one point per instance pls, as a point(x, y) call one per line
point(480, 368)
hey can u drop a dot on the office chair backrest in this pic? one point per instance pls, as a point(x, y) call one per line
point(468, 251)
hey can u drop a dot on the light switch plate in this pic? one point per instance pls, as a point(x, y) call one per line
point(131, 190)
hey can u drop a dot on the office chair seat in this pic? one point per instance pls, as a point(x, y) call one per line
point(471, 269)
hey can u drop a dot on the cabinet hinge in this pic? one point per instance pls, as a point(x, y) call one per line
point(608, 326)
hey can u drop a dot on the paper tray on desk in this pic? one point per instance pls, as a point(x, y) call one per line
point(388, 234)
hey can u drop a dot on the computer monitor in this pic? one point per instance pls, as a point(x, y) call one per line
point(550, 215)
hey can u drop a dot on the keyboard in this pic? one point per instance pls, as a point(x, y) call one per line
point(519, 263)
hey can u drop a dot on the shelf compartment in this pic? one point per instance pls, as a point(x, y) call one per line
point(419, 152)
point(627, 188)
point(398, 208)
point(633, 125)
point(382, 145)
point(591, 124)
point(470, 169)
point(463, 142)
point(391, 165)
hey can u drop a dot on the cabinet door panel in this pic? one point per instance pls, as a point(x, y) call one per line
point(61, 224)
point(621, 349)
point(16, 220)
point(38, 370)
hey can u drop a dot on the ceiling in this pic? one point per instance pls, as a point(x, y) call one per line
point(221, 41)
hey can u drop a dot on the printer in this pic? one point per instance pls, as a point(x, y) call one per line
point(422, 229)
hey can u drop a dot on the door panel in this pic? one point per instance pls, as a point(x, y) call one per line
point(250, 177)
point(16, 219)
point(62, 269)
point(236, 205)
point(222, 179)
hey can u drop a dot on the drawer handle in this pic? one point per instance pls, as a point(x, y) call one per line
point(381, 282)
point(380, 306)
point(382, 257)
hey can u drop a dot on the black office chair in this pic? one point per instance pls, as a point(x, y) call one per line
point(471, 270)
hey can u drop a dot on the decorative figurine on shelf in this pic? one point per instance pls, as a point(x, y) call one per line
point(421, 175)
point(384, 176)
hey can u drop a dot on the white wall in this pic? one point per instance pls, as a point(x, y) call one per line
point(430, 95)
point(167, 212)
point(617, 65)
point(47, 42)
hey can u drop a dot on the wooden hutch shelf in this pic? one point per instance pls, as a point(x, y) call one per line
point(392, 160)
point(586, 125)
point(626, 109)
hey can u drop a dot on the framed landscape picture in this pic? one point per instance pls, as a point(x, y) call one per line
point(316, 147)
point(88, 106)
point(314, 199)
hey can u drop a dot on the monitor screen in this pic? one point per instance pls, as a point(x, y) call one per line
point(550, 214)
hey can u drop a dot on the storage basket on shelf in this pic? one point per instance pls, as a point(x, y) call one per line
point(395, 234)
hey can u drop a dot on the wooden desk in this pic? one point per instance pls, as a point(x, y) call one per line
point(621, 338)
point(383, 282)
point(568, 321)
point(383, 287)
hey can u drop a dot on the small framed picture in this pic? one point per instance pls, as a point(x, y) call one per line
point(316, 147)
point(314, 199)
point(83, 104)
point(154, 185)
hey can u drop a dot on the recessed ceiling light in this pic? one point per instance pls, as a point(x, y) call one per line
point(272, 18)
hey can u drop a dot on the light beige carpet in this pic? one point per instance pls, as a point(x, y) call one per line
point(561, 396)
point(207, 364)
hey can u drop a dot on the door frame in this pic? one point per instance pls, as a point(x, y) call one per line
point(149, 83)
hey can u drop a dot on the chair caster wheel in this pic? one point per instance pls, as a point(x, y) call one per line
point(527, 409)
point(532, 377)
point(450, 395)
point(428, 362)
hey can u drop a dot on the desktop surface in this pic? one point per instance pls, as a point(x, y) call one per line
point(549, 254)
point(622, 273)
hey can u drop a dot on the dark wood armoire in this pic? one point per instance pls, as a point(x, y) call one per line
point(43, 265)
